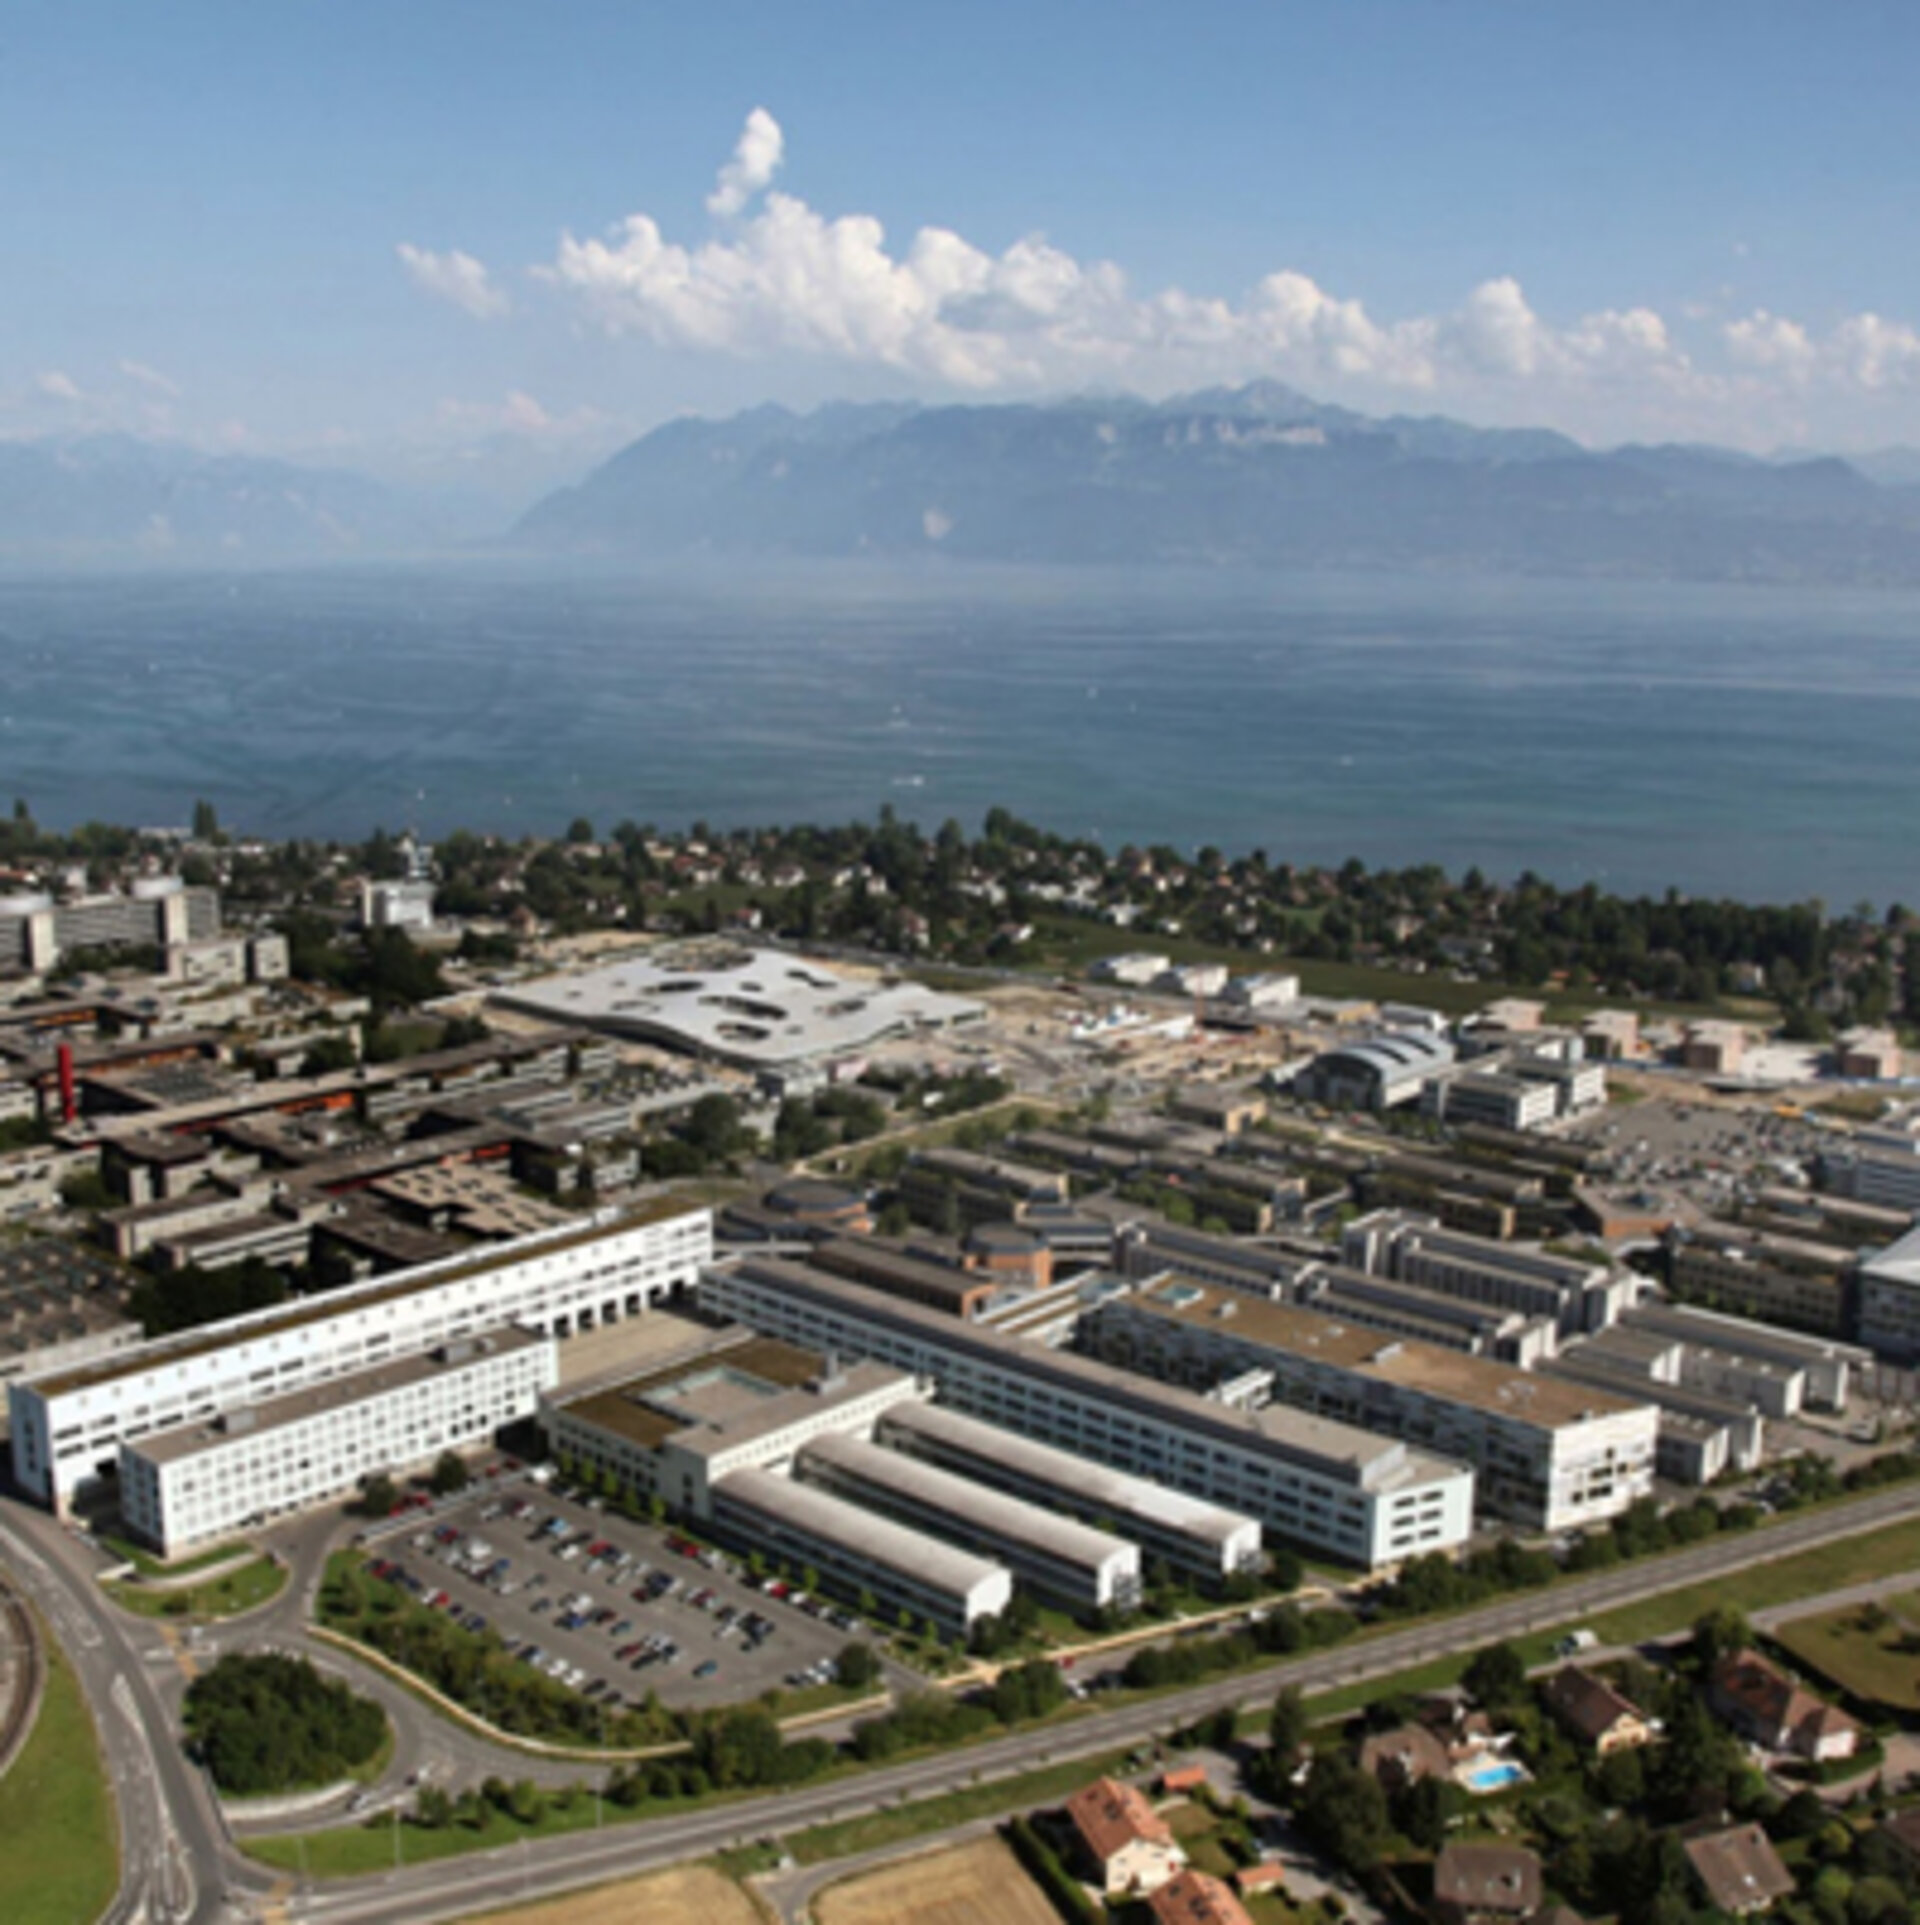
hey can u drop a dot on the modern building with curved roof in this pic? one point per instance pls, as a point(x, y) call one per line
point(1379, 1074)
point(756, 1008)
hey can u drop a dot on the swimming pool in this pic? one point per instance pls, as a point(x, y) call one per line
point(1496, 1775)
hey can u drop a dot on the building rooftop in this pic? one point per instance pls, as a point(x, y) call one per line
point(759, 1008)
point(928, 1487)
point(333, 1303)
point(1110, 1815)
point(1739, 1869)
point(377, 1380)
point(879, 1540)
point(1521, 1396)
point(1320, 1445)
point(1487, 1878)
point(1115, 1492)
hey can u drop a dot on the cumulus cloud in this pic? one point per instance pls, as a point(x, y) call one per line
point(58, 387)
point(1864, 353)
point(757, 155)
point(456, 277)
point(782, 278)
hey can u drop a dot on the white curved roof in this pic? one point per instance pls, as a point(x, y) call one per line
point(758, 1008)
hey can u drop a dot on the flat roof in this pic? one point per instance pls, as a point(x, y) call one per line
point(1429, 1369)
point(972, 1506)
point(1116, 1492)
point(880, 1541)
point(377, 1380)
point(741, 1386)
point(1320, 1445)
point(756, 1007)
point(332, 1303)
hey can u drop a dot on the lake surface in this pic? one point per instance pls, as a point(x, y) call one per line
point(1756, 743)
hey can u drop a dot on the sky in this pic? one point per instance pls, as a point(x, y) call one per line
point(486, 244)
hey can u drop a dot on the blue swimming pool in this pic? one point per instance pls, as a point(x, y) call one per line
point(1494, 1776)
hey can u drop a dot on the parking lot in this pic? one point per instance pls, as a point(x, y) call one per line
point(611, 1607)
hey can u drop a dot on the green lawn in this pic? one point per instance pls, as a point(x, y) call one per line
point(150, 1566)
point(222, 1597)
point(59, 1862)
point(1873, 1655)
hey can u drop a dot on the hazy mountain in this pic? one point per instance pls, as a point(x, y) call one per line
point(114, 498)
point(1256, 474)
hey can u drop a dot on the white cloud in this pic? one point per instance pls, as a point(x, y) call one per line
point(454, 277)
point(146, 377)
point(58, 387)
point(1862, 353)
point(519, 414)
point(757, 155)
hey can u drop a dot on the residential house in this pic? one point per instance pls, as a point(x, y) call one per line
point(1403, 1756)
point(1493, 1884)
point(1766, 1706)
point(1739, 1870)
point(1197, 1898)
point(1603, 1719)
point(1128, 1846)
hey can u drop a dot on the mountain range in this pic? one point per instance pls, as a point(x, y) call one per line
point(1252, 475)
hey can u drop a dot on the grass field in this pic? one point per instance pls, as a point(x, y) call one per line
point(870, 1832)
point(150, 1566)
point(59, 1860)
point(687, 1892)
point(982, 1883)
point(1875, 1655)
point(222, 1597)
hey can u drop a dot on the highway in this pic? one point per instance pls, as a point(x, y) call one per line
point(181, 1865)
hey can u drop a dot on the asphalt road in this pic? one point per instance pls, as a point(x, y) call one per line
point(181, 1867)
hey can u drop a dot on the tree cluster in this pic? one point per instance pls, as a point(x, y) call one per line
point(269, 1723)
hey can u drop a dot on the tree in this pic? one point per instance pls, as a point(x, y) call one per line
point(1288, 1723)
point(1344, 1811)
point(206, 823)
point(449, 1475)
point(1720, 1633)
point(1496, 1676)
point(579, 830)
point(857, 1666)
point(378, 1495)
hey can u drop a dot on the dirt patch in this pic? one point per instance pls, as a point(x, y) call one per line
point(977, 1884)
point(689, 1891)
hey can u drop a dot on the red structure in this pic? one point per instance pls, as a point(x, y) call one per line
point(69, 1102)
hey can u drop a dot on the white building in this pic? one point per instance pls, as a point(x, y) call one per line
point(1330, 1486)
point(1549, 1455)
point(742, 1403)
point(68, 1429)
point(905, 1570)
point(397, 905)
point(1072, 1564)
point(1190, 1535)
point(203, 1481)
point(1889, 1298)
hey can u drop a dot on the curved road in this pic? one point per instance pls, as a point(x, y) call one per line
point(181, 1865)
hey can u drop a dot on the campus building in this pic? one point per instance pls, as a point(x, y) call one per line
point(1070, 1564)
point(1326, 1485)
point(1189, 1535)
point(855, 1551)
point(740, 1403)
point(1548, 1455)
point(68, 1429)
point(203, 1481)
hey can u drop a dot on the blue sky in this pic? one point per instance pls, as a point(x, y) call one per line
point(492, 241)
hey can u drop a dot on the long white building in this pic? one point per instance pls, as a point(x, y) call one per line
point(203, 1482)
point(68, 1429)
point(1073, 1564)
point(855, 1551)
point(1189, 1534)
point(1366, 1499)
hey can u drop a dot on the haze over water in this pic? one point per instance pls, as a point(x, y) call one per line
point(1753, 743)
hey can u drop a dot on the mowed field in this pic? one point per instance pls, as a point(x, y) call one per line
point(977, 1884)
point(687, 1892)
point(1875, 1654)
